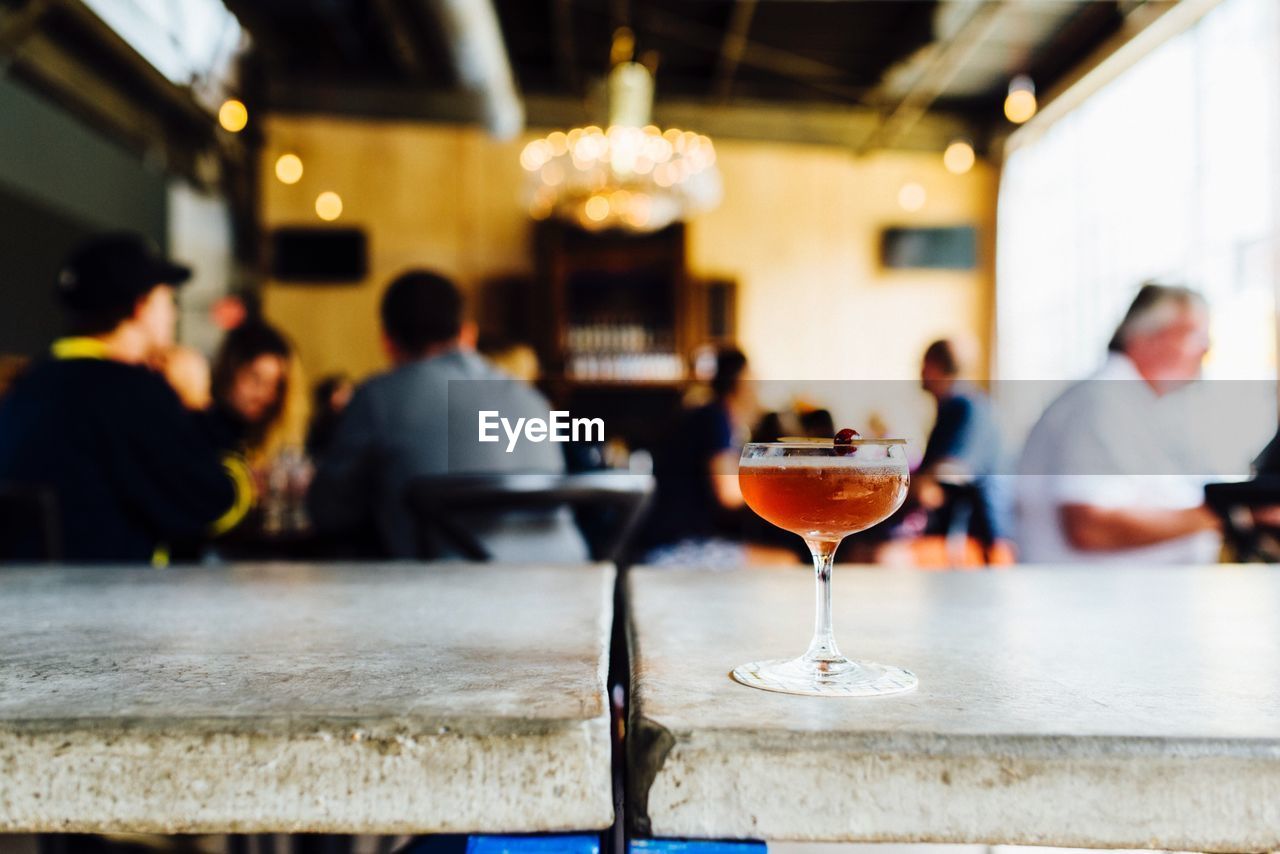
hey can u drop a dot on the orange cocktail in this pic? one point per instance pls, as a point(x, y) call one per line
point(827, 501)
point(824, 491)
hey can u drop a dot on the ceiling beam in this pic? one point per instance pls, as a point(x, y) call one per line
point(811, 72)
point(809, 124)
point(1091, 25)
point(732, 49)
point(1147, 25)
point(945, 62)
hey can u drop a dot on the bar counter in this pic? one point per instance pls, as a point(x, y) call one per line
point(378, 698)
point(1108, 707)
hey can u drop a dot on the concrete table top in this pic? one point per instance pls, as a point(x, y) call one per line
point(377, 698)
point(1057, 706)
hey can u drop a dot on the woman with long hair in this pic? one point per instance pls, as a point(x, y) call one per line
point(250, 388)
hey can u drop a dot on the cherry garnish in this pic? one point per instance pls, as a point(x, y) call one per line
point(844, 441)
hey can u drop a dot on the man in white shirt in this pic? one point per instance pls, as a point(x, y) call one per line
point(1107, 473)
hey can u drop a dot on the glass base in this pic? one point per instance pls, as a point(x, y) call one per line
point(842, 678)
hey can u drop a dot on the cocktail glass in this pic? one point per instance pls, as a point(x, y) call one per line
point(824, 492)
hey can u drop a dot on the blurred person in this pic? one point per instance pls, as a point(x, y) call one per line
point(693, 518)
point(250, 381)
point(770, 428)
point(964, 448)
point(817, 424)
point(129, 466)
point(397, 428)
point(1105, 476)
point(237, 309)
point(329, 399)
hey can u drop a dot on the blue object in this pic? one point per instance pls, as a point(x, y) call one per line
point(696, 846)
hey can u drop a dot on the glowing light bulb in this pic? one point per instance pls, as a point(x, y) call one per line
point(912, 197)
point(597, 208)
point(328, 206)
point(959, 157)
point(233, 115)
point(1020, 104)
point(289, 168)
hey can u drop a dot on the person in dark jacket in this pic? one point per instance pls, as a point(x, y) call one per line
point(964, 446)
point(130, 468)
point(696, 515)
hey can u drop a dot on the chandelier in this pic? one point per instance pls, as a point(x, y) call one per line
point(634, 175)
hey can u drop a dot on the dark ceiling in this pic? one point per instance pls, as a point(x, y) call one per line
point(809, 50)
point(790, 52)
point(361, 41)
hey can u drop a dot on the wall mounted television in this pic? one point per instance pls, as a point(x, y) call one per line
point(937, 248)
point(309, 255)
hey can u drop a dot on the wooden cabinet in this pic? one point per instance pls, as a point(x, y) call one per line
point(613, 304)
point(616, 307)
point(616, 319)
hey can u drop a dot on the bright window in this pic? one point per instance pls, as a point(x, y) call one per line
point(1169, 173)
point(191, 42)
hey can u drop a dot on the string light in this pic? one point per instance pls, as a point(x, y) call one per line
point(1020, 103)
point(597, 208)
point(289, 168)
point(233, 115)
point(959, 157)
point(912, 197)
point(328, 206)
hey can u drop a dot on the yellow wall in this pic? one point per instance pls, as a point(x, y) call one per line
point(428, 195)
point(799, 230)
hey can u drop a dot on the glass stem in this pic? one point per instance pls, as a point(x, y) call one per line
point(823, 647)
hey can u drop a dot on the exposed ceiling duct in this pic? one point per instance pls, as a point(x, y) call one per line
point(480, 61)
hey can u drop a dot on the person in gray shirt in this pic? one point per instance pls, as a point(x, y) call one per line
point(420, 418)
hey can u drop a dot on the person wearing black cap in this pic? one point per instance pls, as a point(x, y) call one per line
point(129, 466)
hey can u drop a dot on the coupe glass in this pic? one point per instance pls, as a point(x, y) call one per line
point(824, 492)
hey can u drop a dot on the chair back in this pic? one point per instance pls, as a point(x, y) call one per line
point(1247, 540)
point(609, 505)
